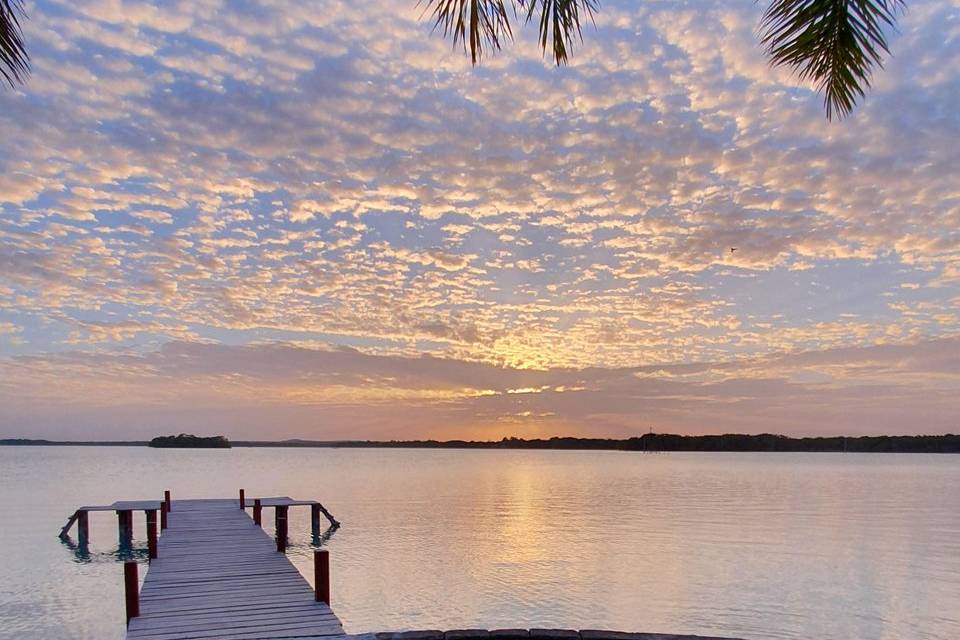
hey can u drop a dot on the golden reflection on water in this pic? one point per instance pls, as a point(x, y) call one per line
point(752, 545)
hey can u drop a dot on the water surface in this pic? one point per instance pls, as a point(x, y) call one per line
point(825, 546)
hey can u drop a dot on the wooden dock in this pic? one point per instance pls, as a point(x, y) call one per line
point(219, 576)
point(215, 574)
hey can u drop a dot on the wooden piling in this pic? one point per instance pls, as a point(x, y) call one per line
point(333, 521)
point(83, 527)
point(257, 511)
point(166, 498)
point(281, 520)
point(152, 533)
point(243, 500)
point(131, 588)
point(321, 575)
point(163, 516)
point(125, 527)
point(315, 519)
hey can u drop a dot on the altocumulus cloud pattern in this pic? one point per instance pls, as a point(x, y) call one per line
point(316, 219)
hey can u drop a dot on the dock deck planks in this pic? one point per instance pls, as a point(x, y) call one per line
point(219, 576)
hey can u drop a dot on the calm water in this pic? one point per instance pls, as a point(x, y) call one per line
point(750, 545)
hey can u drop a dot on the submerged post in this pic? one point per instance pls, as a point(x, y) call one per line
point(321, 575)
point(166, 498)
point(83, 528)
point(152, 533)
point(281, 529)
point(163, 516)
point(131, 588)
point(243, 500)
point(257, 511)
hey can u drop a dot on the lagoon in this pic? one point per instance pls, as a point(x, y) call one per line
point(752, 545)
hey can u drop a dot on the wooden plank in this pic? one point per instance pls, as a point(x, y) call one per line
point(66, 527)
point(136, 505)
point(218, 576)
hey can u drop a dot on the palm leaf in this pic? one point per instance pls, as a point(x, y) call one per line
point(14, 61)
point(477, 24)
point(559, 23)
point(834, 43)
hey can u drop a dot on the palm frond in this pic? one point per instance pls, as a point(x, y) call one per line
point(14, 61)
point(835, 43)
point(559, 23)
point(477, 24)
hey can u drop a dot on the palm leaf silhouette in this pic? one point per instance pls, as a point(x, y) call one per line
point(836, 44)
point(14, 61)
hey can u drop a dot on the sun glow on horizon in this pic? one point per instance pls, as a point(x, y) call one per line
point(324, 223)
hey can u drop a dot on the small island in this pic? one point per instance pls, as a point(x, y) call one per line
point(190, 441)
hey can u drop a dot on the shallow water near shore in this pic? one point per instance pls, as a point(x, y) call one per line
point(748, 545)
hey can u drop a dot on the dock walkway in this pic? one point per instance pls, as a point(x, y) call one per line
point(215, 574)
point(218, 576)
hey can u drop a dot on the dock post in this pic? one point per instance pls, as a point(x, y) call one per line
point(166, 498)
point(281, 529)
point(152, 533)
point(131, 588)
point(257, 511)
point(125, 527)
point(321, 575)
point(163, 516)
point(83, 528)
point(243, 500)
point(315, 520)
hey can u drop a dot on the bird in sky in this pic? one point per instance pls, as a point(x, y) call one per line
point(732, 249)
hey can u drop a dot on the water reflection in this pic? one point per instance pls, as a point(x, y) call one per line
point(127, 549)
point(319, 539)
point(756, 546)
point(80, 552)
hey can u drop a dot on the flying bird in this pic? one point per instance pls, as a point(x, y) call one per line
point(732, 249)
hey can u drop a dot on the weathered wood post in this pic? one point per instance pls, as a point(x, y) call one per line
point(166, 498)
point(131, 588)
point(315, 520)
point(163, 516)
point(257, 511)
point(125, 527)
point(333, 521)
point(83, 528)
point(152, 533)
point(282, 529)
point(243, 500)
point(321, 575)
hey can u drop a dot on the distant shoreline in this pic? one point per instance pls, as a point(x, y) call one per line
point(948, 443)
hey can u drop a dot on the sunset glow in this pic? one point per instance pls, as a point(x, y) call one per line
point(316, 220)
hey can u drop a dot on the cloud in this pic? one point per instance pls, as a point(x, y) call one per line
point(324, 172)
point(905, 388)
point(9, 327)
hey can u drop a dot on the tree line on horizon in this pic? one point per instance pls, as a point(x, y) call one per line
point(948, 443)
point(190, 441)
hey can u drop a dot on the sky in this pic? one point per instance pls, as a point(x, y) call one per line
point(315, 219)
